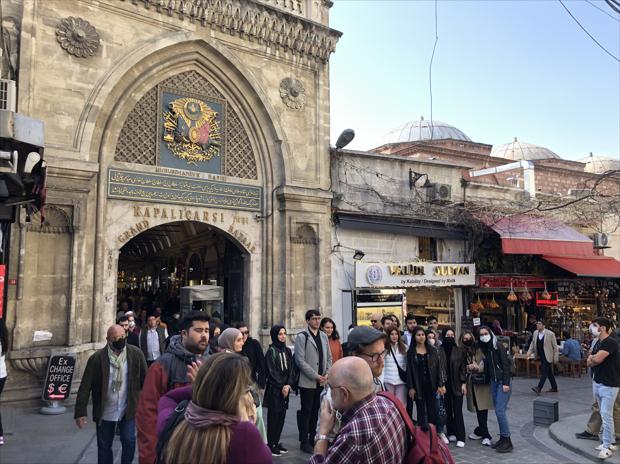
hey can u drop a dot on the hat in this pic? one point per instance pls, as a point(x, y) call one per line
point(364, 335)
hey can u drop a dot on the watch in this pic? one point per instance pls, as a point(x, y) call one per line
point(322, 437)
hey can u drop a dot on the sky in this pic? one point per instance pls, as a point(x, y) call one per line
point(502, 69)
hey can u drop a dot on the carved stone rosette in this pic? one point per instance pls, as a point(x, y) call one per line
point(293, 93)
point(78, 37)
point(32, 365)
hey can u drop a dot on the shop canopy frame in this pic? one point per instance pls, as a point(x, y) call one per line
point(590, 266)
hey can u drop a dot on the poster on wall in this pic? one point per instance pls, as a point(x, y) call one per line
point(414, 274)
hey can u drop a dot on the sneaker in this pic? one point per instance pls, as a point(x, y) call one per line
point(282, 449)
point(306, 447)
point(1, 440)
point(460, 444)
point(611, 447)
point(275, 451)
point(444, 438)
point(452, 438)
point(473, 436)
point(604, 453)
point(586, 436)
point(486, 442)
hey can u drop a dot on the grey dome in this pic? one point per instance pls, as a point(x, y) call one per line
point(518, 151)
point(600, 164)
point(415, 131)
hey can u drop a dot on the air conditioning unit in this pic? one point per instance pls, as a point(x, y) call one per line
point(580, 193)
point(601, 240)
point(440, 193)
point(8, 100)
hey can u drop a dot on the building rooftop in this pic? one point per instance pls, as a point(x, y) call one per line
point(517, 151)
point(422, 129)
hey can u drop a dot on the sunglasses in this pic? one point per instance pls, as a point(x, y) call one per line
point(373, 320)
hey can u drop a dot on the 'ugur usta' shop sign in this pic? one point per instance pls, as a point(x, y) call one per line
point(414, 274)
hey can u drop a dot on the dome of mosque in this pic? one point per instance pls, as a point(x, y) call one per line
point(517, 151)
point(415, 131)
point(600, 164)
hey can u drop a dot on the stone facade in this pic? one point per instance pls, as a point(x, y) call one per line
point(96, 83)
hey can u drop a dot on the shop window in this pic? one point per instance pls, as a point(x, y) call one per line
point(427, 248)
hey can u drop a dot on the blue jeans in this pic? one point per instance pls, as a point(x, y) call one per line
point(500, 402)
point(105, 437)
point(606, 397)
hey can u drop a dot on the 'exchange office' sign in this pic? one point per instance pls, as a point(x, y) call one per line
point(416, 274)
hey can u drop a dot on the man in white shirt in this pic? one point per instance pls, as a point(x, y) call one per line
point(152, 339)
point(113, 376)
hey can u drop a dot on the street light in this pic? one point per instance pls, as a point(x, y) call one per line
point(345, 138)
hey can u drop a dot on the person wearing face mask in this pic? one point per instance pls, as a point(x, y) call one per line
point(456, 387)
point(425, 377)
point(432, 337)
point(497, 370)
point(478, 390)
point(113, 377)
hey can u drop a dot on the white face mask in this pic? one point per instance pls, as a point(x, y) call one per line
point(132, 324)
point(431, 341)
point(594, 331)
point(485, 338)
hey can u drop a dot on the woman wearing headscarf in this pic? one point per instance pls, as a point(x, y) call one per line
point(230, 339)
point(279, 362)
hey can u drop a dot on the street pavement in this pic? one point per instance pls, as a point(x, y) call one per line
point(56, 440)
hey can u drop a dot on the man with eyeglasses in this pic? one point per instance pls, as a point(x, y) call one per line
point(375, 321)
point(253, 350)
point(369, 344)
point(113, 377)
point(371, 430)
point(314, 359)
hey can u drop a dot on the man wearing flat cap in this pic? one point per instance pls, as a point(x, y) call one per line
point(369, 344)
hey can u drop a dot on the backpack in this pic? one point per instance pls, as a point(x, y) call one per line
point(423, 444)
point(171, 423)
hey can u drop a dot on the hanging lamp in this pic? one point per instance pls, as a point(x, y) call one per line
point(527, 296)
point(545, 294)
point(512, 296)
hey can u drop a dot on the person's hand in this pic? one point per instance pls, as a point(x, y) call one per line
point(285, 390)
point(412, 393)
point(441, 391)
point(327, 419)
point(473, 367)
point(322, 379)
point(464, 389)
point(80, 422)
point(506, 388)
point(192, 370)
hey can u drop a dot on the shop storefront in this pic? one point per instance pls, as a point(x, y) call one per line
point(423, 289)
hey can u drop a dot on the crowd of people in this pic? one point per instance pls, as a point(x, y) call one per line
point(194, 391)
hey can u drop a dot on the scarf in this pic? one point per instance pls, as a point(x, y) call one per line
point(227, 338)
point(118, 361)
point(275, 330)
point(199, 417)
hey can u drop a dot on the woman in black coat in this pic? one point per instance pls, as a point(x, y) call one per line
point(425, 377)
point(279, 362)
point(456, 387)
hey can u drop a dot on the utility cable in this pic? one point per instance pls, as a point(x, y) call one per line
point(589, 35)
point(430, 72)
point(603, 11)
point(614, 5)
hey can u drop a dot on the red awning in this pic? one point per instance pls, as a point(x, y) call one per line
point(533, 235)
point(592, 266)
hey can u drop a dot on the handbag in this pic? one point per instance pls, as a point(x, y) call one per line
point(402, 373)
point(478, 378)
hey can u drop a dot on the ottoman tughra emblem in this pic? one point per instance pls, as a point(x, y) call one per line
point(77, 36)
point(293, 93)
point(192, 130)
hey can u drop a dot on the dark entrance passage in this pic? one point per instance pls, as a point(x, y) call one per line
point(154, 265)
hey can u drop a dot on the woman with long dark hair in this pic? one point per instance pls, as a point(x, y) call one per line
point(4, 347)
point(279, 362)
point(329, 327)
point(425, 377)
point(456, 387)
point(497, 370)
point(395, 363)
point(478, 389)
point(217, 426)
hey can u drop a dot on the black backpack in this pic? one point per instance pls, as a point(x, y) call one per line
point(171, 423)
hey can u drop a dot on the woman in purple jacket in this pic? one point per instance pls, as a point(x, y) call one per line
point(218, 423)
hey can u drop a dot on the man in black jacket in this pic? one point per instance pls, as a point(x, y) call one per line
point(152, 339)
point(253, 350)
point(113, 376)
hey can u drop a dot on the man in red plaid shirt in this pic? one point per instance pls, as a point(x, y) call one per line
point(371, 429)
